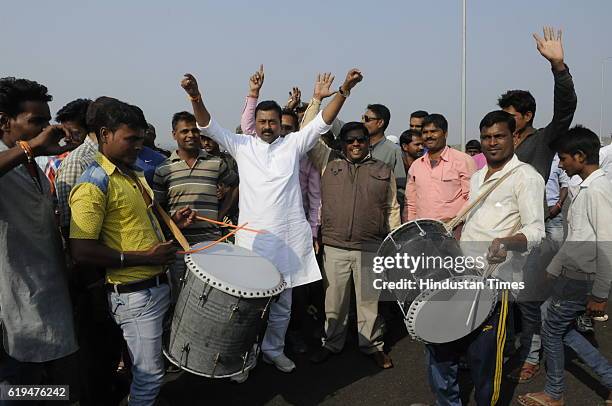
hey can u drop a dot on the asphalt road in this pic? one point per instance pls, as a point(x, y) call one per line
point(351, 378)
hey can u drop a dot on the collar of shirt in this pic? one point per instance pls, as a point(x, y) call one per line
point(110, 167)
point(381, 142)
point(596, 174)
point(201, 155)
point(511, 164)
point(443, 156)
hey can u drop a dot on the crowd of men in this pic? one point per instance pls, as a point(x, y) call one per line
point(90, 269)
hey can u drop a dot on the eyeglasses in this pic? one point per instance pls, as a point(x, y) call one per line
point(361, 140)
point(367, 119)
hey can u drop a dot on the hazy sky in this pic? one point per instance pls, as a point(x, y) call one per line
point(409, 52)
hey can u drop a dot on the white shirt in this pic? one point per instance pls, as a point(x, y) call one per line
point(271, 199)
point(588, 246)
point(605, 160)
point(517, 199)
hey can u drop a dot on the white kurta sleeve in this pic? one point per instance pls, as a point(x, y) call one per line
point(307, 137)
point(225, 138)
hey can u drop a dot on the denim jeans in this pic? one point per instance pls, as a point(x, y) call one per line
point(568, 301)
point(140, 315)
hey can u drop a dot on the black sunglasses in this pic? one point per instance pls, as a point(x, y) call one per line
point(367, 119)
point(361, 140)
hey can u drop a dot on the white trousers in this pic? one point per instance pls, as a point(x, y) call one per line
point(273, 343)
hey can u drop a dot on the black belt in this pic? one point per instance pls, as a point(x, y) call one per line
point(140, 285)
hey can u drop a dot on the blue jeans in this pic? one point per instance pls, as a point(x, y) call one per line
point(140, 315)
point(569, 301)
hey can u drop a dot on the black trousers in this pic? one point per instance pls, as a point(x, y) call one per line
point(483, 349)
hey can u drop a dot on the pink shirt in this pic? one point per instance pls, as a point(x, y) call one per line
point(439, 192)
point(310, 179)
point(480, 160)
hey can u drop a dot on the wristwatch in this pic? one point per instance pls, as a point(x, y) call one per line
point(344, 94)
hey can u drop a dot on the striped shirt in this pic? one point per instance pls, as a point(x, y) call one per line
point(176, 185)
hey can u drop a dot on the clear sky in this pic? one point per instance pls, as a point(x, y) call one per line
point(409, 52)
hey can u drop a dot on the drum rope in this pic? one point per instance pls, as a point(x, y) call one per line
point(215, 242)
point(225, 225)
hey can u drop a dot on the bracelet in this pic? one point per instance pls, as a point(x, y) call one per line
point(558, 205)
point(26, 150)
point(195, 99)
point(344, 94)
point(122, 259)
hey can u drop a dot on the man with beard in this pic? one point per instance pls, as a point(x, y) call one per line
point(411, 142)
point(270, 197)
point(439, 181)
point(492, 223)
point(356, 190)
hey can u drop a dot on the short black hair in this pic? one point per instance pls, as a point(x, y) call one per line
point(579, 139)
point(498, 116)
point(13, 92)
point(111, 113)
point(268, 105)
point(419, 114)
point(75, 111)
point(288, 112)
point(353, 126)
point(521, 100)
point(473, 144)
point(437, 120)
point(381, 111)
point(406, 137)
point(182, 116)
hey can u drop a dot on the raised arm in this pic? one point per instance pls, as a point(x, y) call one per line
point(228, 140)
point(247, 120)
point(565, 100)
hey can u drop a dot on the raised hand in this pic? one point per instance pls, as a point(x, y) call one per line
point(353, 77)
point(256, 82)
point(322, 88)
point(551, 46)
point(47, 142)
point(295, 97)
point(190, 85)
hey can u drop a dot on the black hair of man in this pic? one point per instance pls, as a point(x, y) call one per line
point(353, 126)
point(419, 114)
point(580, 139)
point(111, 113)
point(498, 116)
point(182, 116)
point(473, 144)
point(521, 100)
point(268, 105)
point(406, 137)
point(381, 111)
point(13, 92)
point(287, 112)
point(75, 111)
point(438, 120)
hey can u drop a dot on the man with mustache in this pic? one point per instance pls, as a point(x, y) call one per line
point(411, 142)
point(270, 197)
point(438, 182)
point(359, 208)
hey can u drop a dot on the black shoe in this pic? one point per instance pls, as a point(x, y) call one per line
point(321, 355)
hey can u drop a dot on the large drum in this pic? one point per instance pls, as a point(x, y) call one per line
point(222, 310)
point(441, 306)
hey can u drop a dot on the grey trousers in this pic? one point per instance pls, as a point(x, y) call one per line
point(340, 265)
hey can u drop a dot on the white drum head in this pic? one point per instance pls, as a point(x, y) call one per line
point(235, 270)
point(440, 316)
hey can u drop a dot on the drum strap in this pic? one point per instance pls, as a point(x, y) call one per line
point(466, 210)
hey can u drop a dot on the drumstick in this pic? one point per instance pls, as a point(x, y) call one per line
point(176, 232)
point(215, 242)
point(487, 273)
point(202, 218)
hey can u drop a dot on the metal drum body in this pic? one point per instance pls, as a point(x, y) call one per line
point(436, 315)
point(222, 310)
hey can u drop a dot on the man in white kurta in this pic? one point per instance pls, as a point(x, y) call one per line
point(271, 199)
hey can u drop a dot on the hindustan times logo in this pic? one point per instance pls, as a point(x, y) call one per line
point(458, 264)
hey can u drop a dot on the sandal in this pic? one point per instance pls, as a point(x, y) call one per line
point(524, 374)
point(538, 399)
